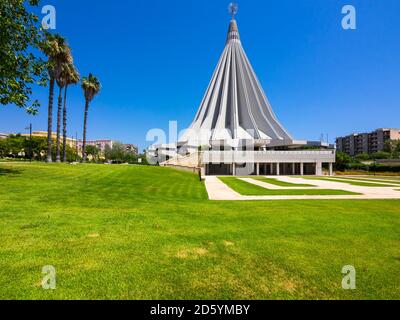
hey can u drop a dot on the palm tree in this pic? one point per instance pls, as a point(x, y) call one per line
point(71, 77)
point(91, 86)
point(61, 81)
point(58, 52)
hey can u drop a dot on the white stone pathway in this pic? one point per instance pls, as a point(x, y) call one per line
point(217, 190)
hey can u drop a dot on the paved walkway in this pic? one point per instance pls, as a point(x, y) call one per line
point(217, 190)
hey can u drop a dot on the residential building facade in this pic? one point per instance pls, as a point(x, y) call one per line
point(77, 144)
point(370, 142)
point(71, 142)
point(100, 144)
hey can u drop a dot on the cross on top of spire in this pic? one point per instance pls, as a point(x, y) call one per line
point(233, 9)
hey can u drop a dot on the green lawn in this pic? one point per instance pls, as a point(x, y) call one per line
point(281, 183)
point(130, 232)
point(395, 178)
point(371, 175)
point(249, 189)
point(372, 180)
point(351, 182)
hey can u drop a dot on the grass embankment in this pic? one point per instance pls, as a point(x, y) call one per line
point(249, 189)
point(130, 232)
point(279, 183)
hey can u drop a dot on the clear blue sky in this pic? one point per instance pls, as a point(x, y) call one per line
point(155, 59)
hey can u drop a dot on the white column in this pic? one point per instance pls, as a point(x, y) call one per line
point(293, 168)
point(277, 169)
point(258, 168)
point(318, 169)
point(234, 169)
point(301, 168)
point(330, 168)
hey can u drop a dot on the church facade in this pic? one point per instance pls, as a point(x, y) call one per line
point(235, 131)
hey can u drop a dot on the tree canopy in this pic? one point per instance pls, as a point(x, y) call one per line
point(20, 67)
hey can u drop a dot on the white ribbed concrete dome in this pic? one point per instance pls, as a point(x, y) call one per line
point(235, 106)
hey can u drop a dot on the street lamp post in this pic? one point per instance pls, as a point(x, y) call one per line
point(76, 146)
point(30, 141)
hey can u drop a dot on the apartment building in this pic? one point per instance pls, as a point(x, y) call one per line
point(71, 142)
point(100, 144)
point(370, 142)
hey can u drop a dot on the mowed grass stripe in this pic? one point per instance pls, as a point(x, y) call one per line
point(281, 183)
point(371, 176)
point(394, 182)
point(353, 183)
point(249, 189)
point(112, 182)
point(367, 183)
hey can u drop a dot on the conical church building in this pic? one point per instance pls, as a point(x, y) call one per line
point(235, 131)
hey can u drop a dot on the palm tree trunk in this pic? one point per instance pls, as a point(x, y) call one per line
point(50, 121)
point(65, 125)
point(58, 153)
point(84, 131)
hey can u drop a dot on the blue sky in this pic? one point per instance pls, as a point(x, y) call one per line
point(155, 59)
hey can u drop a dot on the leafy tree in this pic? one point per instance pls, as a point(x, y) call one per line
point(117, 152)
point(20, 67)
point(22, 146)
point(91, 87)
point(143, 160)
point(37, 146)
point(2, 148)
point(17, 145)
point(107, 152)
point(93, 151)
point(381, 155)
point(363, 157)
point(13, 145)
point(390, 146)
point(342, 160)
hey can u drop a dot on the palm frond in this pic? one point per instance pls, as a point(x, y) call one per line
point(91, 86)
point(58, 53)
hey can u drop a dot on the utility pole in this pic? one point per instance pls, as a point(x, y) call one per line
point(30, 142)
